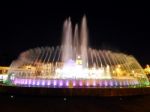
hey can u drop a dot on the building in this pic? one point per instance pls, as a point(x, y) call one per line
point(3, 73)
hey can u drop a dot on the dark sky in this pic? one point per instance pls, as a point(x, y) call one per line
point(117, 26)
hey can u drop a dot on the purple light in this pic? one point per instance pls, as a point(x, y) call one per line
point(127, 82)
point(55, 82)
point(38, 83)
point(19, 81)
point(124, 83)
point(116, 83)
point(22, 81)
point(33, 82)
point(49, 82)
point(106, 83)
point(111, 83)
point(79, 83)
point(26, 81)
point(15, 81)
point(43, 83)
point(29, 82)
point(120, 83)
point(60, 83)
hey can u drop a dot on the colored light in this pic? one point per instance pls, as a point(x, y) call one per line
point(49, 82)
point(116, 83)
point(15, 81)
point(124, 83)
point(120, 83)
point(55, 82)
point(60, 83)
point(100, 83)
point(75, 60)
point(74, 83)
point(26, 81)
point(33, 82)
point(67, 83)
point(80, 83)
point(23, 81)
point(94, 83)
point(106, 83)
point(43, 82)
point(87, 83)
point(111, 83)
point(127, 82)
point(38, 83)
point(29, 82)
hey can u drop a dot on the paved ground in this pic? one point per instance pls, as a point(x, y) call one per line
point(10, 103)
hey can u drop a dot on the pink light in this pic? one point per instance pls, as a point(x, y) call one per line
point(29, 82)
point(116, 84)
point(74, 83)
point(100, 83)
point(120, 83)
point(87, 83)
point(67, 83)
point(49, 83)
point(80, 83)
point(43, 82)
point(15, 82)
point(23, 81)
point(20, 81)
point(26, 81)
point(111, 83)
point(106, 83)
point(94, 83)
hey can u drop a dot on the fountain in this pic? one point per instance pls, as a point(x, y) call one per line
point(75, 65)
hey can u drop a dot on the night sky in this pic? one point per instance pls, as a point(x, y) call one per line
point(123, 27)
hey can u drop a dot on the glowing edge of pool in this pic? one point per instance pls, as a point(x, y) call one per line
point(72, 83)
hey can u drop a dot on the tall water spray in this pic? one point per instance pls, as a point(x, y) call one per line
point(84, 42)
point(74, 46)
point(67, 50)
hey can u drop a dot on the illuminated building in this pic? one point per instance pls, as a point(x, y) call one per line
point(3, 73)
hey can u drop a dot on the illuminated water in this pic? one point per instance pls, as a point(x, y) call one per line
point(75, 64)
